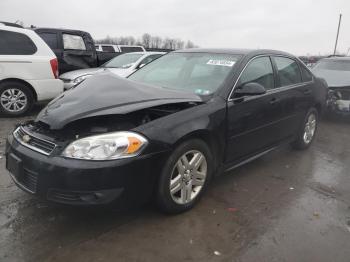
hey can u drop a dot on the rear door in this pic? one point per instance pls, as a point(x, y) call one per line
point(294, 94)
point(253, 120)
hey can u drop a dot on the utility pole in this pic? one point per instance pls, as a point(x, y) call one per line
point(336, 40)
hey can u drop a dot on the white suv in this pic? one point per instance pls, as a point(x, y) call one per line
point(28, 70)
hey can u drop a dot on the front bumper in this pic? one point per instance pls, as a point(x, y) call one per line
point(82, 182)
point(339, 101)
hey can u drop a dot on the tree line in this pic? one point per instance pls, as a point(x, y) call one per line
point(148, 41)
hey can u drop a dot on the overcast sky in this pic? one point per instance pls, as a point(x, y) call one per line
point(298, 26)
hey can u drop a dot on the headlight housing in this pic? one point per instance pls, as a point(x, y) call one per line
point(80, 79)
point(108, 146)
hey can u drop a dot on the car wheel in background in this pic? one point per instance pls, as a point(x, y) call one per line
point(306, 133)
point(15, 99)
point(184, 177)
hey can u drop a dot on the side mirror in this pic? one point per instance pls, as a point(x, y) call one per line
point(251, 89)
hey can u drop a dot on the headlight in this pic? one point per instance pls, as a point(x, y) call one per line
point(80, 79)
point(107, 146)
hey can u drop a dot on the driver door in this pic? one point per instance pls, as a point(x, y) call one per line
point(252, 123)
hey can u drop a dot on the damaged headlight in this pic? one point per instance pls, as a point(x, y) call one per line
point(107, 146)
point(80, 79)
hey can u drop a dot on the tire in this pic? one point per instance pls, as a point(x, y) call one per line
point(303, 140)
point(191, 184)
point(20, 105)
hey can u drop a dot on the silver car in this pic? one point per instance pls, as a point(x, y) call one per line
point(122, 65)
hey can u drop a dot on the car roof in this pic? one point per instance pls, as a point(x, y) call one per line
point(10, 24)
point(233, 51)
point(79, 32)
point(336, 58)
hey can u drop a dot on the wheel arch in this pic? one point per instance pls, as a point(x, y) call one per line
point(209, 139)
point(318, 107)
point(17, 80)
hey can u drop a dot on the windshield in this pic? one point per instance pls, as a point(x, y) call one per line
point(200, 73)
point(339, 65)
point(123, 61)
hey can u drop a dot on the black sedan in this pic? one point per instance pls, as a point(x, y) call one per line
point(167, 130)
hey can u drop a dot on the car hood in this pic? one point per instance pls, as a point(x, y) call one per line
point(122, 72)
point(334, 78)
point(76, 73)
point(106, 94)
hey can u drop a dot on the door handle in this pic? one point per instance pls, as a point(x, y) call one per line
point(274, 101)
point(307, 91)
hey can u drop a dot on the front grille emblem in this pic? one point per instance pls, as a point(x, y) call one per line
point(26, 138)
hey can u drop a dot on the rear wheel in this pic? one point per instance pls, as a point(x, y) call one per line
point(306, 133)
point(184, 177)
point(15, 99)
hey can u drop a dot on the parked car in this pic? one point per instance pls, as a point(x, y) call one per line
point(122, 65)
point(167, 129)
point(119, 48)
point(28, 70)
point(336, 72)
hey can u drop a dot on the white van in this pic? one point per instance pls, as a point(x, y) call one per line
point(28, 70)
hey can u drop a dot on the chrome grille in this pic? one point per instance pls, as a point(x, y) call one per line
point(37, 144)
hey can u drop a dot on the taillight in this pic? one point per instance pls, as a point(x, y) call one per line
point(54, 67)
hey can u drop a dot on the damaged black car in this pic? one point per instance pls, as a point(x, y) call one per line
point(167, 130)
point(336, 72)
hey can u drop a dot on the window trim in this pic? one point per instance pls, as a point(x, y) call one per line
point(244, 68)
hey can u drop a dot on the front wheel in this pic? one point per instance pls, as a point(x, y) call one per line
point(184, 177)
point(306, 133)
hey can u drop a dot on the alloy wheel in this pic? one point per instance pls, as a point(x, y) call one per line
point(310, 128)
point(188, 177)
point(13, 100)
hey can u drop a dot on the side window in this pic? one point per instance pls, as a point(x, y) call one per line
point(306, 74)
point(107, 48)
point(258, 71)
point(13, 43)
point(288, 71)
point(75, 42)
point(50, 39)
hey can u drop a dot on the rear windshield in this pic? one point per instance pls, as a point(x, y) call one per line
point(200, 73)
point(339, 65)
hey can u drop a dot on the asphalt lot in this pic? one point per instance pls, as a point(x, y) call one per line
point(286, 206)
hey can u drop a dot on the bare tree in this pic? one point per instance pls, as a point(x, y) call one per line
point(179, 44)
point(156, 42)
point(146, 40)
point(189, 44)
